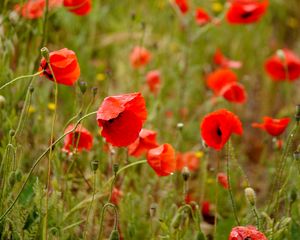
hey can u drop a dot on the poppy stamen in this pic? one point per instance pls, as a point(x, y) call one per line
point(219, 132)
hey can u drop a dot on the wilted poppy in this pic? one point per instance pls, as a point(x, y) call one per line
point(284, 65)
point(145, 142)
point(217, 127)
point(116, 196)
point(64, 65)
point(153, 81)
point(162, 159)
point(182, 5)
point(273, 126)
point(187, 159)
point(234, 92)
point(243, 233)
point(202, 17)
point(246, 11)
point(121, 118)
point(223, 180)
point(78, 140)
point(140, 57)
point(79, 7)
point(224, 62)
point(219, 78)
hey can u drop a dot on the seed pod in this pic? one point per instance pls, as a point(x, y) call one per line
point(250, 196)
point(45, 53)
point(152, 210)
point(180, 126)
point(12, 133)
point(114, 235)
point(297, 115)
point(2, 101)
point(31, 89)
point(94, 90)
point(116, 168)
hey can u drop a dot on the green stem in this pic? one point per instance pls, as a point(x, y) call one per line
point(38, 161)
point(229, 184)
point(102, 217)
point(20, 77)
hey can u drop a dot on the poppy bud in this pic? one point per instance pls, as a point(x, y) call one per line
point(114, 235)
point(45, 54)
point(250, 195)
point(152, 210)
point(280, 54)
point(2, 101)
point(180, 126)
point(95, 165)
point(94, 89)
point(133, 16)
point(31, 89)
point(12, 133)
point(115, 168)
point(297, 115)
point(185, 174)
point(82, 86)
point(297, 155)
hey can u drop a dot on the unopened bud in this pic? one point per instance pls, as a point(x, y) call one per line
point(297, 155)
point(114, 235)
point(12, 133)
point(31, 89)
point(82, 86)
point(180, 126)
point(176, 221)
point(94, 90)
point(250, 196)
point(115, 168)
point(95, 165)
point(293, 195)
point(185, 173)
point(45, 53)
point(152, 210)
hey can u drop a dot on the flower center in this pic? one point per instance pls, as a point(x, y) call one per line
point(246, 15)
point(219, 132)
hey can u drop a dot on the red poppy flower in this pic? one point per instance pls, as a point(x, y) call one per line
point(223, 180)
point(224, 62)
point(202, 17)
point(139, 57)
point(116, 196)
point(153, 81)
point(145, 142)
point(64, 65)
point(273, 126)
point(121, 118)
point(286, 67)
point(234, 92)
point(79, 7)
point(217, 127)
point(188, 159)
point(32, 9)
point(249, 232)
point(246, 11)
point(182, 5)
point(219, 78)
point(80, 139)
point(162, 159)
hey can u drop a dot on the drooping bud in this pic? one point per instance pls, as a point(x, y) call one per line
point(45, 54)
point(250, 196)
point(185, 173)
point(177, 220)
